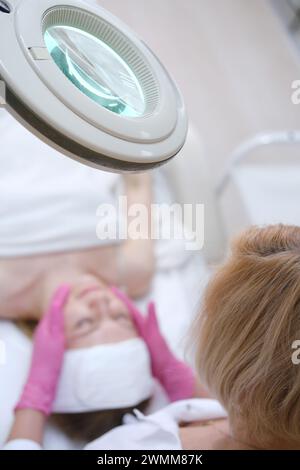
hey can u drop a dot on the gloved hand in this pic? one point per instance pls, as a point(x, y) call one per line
point(47, 357)
point(175, 376)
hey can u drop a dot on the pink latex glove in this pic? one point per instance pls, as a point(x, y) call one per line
point(175, 376)
point(47, 357)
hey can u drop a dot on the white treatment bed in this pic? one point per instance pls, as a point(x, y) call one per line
point(41, 211)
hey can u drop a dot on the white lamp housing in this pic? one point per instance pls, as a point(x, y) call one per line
point(84, 83)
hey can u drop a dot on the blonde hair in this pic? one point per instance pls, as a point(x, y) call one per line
point(250, 318)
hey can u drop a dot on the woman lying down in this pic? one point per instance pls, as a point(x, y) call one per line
point(96, 322)
point(101, 340)
point(244, 354)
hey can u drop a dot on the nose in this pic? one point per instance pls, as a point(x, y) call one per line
point(114, 305)
point(98, 305)
point(104, 305)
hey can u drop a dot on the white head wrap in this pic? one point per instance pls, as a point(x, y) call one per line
point(104, 377)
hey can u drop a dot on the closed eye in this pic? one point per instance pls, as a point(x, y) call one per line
point(84, 322)
point(123, 317)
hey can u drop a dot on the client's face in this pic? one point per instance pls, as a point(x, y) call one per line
point(94, 315)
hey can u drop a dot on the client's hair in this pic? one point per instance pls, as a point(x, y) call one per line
point(249, 321)
point(90, 425)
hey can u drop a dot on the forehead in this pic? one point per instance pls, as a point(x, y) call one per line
point(106, 334)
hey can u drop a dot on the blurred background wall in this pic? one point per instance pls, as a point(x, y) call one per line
point(232, 59)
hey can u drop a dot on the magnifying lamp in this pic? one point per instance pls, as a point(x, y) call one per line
point(84, 83)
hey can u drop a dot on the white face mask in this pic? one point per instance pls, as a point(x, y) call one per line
point(104, 377)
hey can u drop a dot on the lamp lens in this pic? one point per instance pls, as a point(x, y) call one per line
point(96, 70)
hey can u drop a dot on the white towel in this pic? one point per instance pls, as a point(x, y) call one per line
point(49, 202)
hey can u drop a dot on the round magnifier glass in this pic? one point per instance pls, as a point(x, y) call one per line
point(96, 70)
point(84, 83)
